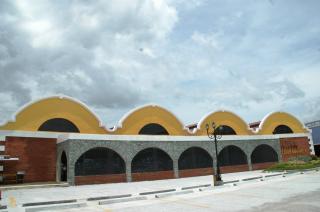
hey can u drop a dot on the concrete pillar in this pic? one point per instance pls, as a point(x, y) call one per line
point(128, 171)
point(58, 167)
point(249, 163)
point(71, 173)
point(176, 168)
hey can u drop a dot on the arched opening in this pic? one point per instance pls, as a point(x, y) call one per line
point(59, 125)
point(195, 161)
point(153, 129)
point(99, 161)
point(282, 129)
point(151, 164)
point(264, 154)
point(151, 159)
point(63, 167)
point(194, 158)
point(232, 159)
point(226, 130)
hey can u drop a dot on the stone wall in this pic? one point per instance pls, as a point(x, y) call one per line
point(74, 148)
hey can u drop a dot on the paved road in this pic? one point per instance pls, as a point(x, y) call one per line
point(300, 192)
point(309, 201)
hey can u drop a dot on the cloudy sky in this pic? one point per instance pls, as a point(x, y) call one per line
point(189, 56)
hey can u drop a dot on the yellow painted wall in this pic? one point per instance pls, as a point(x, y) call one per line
point(133, 123)
point(224, 118)
point(281, 118)
point(34, 115)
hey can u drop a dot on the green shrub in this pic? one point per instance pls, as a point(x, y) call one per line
point(294, 165)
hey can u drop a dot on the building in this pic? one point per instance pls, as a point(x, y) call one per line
point(60, 139)
point(315, 132)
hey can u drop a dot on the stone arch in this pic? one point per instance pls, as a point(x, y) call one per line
point(136, 119)
point(232, 155)
point(59, 125)
point(232, 159)
point(195, 157)
point(31, 116)
point(153, 129)
point(264, 153)
point(99, 161)
point(273, 120)
point(195, 161)
point(224, 118)
point(151, 164)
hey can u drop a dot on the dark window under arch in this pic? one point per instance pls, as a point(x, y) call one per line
point(99, 161)
point(226, 130)
point(151, 159)
point(194, 158)
point(64, 167)
point(59, 125)
point(153, 129)
point(232, 155)
point(264, 153)
point(282, 129)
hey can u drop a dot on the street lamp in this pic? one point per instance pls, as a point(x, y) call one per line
point(215, 135)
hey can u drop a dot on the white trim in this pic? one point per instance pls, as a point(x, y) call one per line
point(2, 159)
point(105, 137)
point(32, 134)
point(133, 138)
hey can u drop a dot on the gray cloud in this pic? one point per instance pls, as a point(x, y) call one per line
point(189, 56)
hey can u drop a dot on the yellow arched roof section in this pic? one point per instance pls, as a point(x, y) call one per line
point(224, 118)
point(272, 120)
point(33, 115)
point(136, 119)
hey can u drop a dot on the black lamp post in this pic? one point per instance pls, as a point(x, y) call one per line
point(215, 135)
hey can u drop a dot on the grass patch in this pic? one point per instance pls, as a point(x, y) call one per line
point(295, 165)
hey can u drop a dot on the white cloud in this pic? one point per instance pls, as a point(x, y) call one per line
point(192, 57)
point(208, 40)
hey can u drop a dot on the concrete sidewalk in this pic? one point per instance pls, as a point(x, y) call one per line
point(89, 191)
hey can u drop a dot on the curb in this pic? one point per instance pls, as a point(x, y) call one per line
point(231, 181)
point(252, 178)
point(130, 199)
point(156, 192)
point(56, 207)
point(273, 175)
point(173, 194)
point(197, 186)
point(48, 202)
point(108, 197)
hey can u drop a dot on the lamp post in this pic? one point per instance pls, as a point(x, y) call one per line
point(215, 135)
